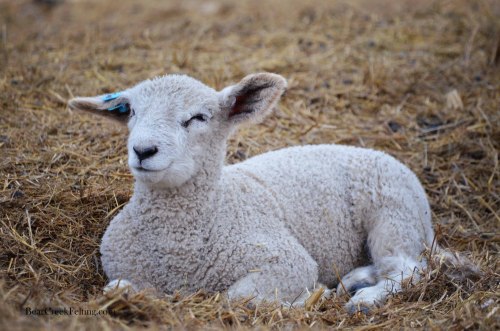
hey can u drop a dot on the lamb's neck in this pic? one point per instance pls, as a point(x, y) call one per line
point(201, 187)
point(193, 201)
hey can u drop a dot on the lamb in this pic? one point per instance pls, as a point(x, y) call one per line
point(271, 227)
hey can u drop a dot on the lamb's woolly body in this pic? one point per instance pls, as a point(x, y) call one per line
point(269, 227)
point(309, 208)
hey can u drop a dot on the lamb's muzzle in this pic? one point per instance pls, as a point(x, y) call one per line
point(268, 228)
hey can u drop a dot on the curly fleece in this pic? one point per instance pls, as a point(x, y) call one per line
point(282, 220)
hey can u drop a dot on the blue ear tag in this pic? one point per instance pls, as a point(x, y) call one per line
point(111, 96)
point(121, 107)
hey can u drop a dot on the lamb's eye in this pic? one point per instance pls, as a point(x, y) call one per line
point(197, 117)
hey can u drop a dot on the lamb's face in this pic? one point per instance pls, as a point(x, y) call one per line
point(178, 125)
point(172, 124)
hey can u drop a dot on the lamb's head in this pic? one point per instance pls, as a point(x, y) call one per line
point(178, 125)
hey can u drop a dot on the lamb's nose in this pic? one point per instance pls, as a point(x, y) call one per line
point(144, 153)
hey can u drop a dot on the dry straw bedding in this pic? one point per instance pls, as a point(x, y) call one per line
point(419, 81)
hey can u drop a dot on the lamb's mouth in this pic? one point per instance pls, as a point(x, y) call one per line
point(144, 170)
point(141, 170)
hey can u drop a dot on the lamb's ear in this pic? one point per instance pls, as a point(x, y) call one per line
point(252, 98)
point(115, 106)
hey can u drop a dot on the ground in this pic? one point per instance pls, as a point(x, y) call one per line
point(419, 80)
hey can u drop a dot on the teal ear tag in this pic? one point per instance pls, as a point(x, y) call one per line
point(111, 96)
point(121, 107)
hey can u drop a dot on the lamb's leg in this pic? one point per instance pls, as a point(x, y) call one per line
point(119, 284)
point(392, 271)
point(399, 228)
point(286, 281)
point(396, 238)
point(369, 285)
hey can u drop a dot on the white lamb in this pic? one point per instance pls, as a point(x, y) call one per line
point(268, 228)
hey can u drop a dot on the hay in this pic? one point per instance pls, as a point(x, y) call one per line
point(419, 81)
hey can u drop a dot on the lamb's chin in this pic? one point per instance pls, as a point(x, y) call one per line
point(163, 179)
point(149, 176)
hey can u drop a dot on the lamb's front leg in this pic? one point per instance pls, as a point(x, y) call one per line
point(286, 280)
point(119, 284)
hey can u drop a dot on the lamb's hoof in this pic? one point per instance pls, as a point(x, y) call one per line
point(358, 308)
point(366, 299)
point(119, 284)
point(358, 286)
